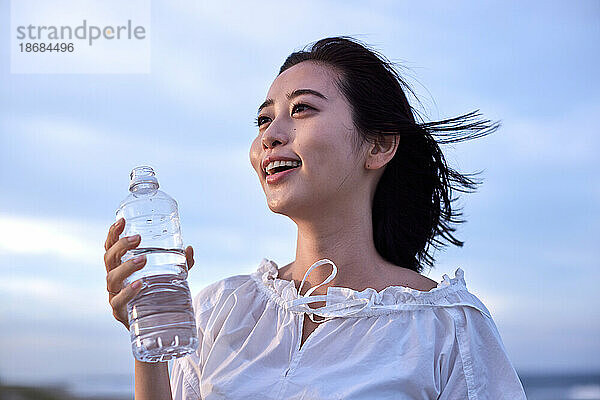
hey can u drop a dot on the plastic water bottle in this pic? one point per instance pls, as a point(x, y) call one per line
point(161, 317)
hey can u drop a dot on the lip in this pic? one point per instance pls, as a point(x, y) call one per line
point(276, 178)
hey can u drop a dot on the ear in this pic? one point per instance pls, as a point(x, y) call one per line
point(382, 151)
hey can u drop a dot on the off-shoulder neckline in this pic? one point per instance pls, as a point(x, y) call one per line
point(267, 277)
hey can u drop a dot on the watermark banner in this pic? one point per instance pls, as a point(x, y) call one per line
point(80, 36)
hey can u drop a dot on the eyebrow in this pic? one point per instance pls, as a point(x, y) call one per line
point(295, 93)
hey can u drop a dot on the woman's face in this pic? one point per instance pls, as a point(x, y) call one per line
point(315, 129)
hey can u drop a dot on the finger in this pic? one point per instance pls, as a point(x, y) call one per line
point(112, 257)
point(113, 233)
point(189, 255)
point(119, 301)
point(116, 276)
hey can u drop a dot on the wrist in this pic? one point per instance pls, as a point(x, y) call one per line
point(151, 364)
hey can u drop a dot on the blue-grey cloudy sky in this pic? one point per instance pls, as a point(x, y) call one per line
point(68, 142)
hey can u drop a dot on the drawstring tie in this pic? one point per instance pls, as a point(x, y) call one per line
point(350, 307)
point(327, 312)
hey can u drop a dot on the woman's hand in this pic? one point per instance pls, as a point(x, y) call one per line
point(118, 297)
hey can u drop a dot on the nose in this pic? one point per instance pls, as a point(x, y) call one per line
point(273, 136)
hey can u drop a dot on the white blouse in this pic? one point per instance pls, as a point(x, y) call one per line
point(399, 343)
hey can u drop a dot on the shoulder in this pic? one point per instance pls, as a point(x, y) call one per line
point(453, 295)
point(210, 296)
point(463, 307)
point(470, 326)
point(421, 282)
point(479, 352)
point(454, 306)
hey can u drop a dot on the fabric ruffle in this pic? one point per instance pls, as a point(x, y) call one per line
point(449, 292)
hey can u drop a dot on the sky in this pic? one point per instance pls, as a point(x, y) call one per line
point(69, 141)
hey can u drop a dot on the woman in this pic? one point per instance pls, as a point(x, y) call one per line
point(351, 317)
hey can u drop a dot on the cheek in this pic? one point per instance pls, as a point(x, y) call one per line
point(328, 155)
point(254, 153)
point(324, 145)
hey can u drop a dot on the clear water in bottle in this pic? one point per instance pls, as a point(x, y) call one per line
point(161, 317)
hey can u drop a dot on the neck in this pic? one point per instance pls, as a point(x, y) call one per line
point(346, 240)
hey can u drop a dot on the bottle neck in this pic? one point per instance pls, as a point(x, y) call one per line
point(144, 187)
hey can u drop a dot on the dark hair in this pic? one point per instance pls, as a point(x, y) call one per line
point(413, 199)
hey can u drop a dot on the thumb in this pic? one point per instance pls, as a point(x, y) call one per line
point(189, 256)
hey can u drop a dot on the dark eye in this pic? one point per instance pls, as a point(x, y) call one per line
point(299, 105)
point(258, 121)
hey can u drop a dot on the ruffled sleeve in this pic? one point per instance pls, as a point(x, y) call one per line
point(478, 367)
point(186, 372)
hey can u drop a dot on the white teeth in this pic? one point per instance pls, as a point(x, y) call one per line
point(275, 164)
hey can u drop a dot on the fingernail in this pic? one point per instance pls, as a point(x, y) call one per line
point(138, 260)
point(133, 238)
point(118, 222)
point(136, 285)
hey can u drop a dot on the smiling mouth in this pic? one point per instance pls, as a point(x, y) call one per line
point(279, 173)
point(276, 170)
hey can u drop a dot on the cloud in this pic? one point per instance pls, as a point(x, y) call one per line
point(537, 146)
point(244, 21)
point(568, 139)
point(58, 237)
point(227, 51)
point(41, 298)
point(92, 144)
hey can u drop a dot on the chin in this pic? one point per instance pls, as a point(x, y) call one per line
point(277, 206)
point(285, 203)
point(294, 208)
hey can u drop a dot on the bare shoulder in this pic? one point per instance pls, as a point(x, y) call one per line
point(424, 283)
point(406, 277)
